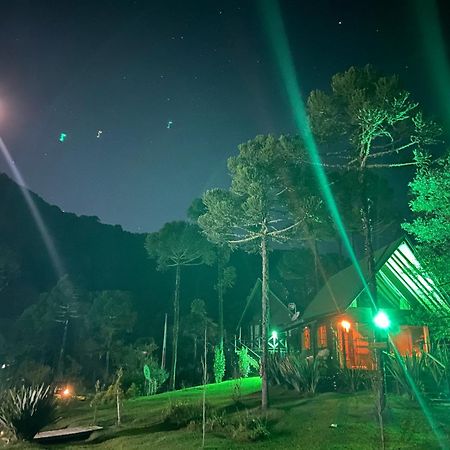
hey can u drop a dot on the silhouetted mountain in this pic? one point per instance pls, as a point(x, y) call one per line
point(97, 256)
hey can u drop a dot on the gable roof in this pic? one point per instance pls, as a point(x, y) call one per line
point(399, 276)
point(279, 312)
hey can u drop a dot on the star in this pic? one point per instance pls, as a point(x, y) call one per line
point(340, 22)
point(169, 124)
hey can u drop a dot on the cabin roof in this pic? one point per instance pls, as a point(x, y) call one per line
point(400, 278)
point(279, 312)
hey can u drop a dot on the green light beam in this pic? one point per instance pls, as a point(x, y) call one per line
point(420, 400)
point(280, 46)
point(435, 52)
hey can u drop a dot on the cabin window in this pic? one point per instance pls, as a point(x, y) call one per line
point(306, 338)
point(322, 336)
point(411, 339)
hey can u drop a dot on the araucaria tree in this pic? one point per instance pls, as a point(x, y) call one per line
point(370, 123)
point(254, 213)
point(176, 245)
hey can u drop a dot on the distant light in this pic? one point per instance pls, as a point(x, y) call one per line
point(345, 324)
point(381, 320)
point(3, 366)
point(62, 137)
point(274, 335)
point(66, 392)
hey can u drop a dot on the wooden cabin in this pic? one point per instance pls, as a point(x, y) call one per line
point(340, 317)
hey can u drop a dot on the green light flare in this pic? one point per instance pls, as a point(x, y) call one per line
point(62, 137)
point(278, 40)
point(381, 320)
point(420, 400)
point(435, 52)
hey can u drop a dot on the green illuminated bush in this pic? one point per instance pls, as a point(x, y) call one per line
point(26, 410)
point(219, 364)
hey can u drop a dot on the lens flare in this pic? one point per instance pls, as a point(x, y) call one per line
point(43, 230)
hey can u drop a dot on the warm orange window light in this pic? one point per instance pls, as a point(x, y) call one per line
point(345, 324)
point(322, 336)
point(306, 339)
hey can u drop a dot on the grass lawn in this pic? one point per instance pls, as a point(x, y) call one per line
point(294, 422)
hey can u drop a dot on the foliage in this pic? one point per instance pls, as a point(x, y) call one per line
point(110, 318)
point(247, 426)
point(431, 205)
point(377, 125)
point(26, 410)
point(408, 368)
point(179, 414)
point(297, 372)
point(219, 364)
point(96, 400)
point(236, 395)
point(246, 362)
point(134, 358)
point(179, 244)
point(273, 369)
point(353, 380)
point(114, 394)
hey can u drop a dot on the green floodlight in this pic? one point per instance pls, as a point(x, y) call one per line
point(381, 320)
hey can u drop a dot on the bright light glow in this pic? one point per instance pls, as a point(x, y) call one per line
point(346, 325)
point(381, 320)
point(274, 335)
point(66, 392)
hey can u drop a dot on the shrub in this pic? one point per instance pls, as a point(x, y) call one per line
point(246, 362)
point(26, 410)
point(219, 364)
point(132, 391)
point(248, 427)
point(273, 369)
point(301, 374)
point(353, 380)
point(405, 368)
point(180, 414)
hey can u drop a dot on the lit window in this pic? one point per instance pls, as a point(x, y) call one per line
point(322, 336)
point(306, 338)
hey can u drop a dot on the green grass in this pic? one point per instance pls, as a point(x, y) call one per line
point(294, 422)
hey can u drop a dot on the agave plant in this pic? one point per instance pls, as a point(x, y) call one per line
point(408, 371)
point(26, 410)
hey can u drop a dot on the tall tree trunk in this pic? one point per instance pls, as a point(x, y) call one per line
point(265, 306)
point(176, 326)
point(220, 268)
point(108, 357)
point(372, 281)
point(60, 367)
point(164, 346)
point(316, 263)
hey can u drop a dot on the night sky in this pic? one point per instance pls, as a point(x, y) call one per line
point(154, 96)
